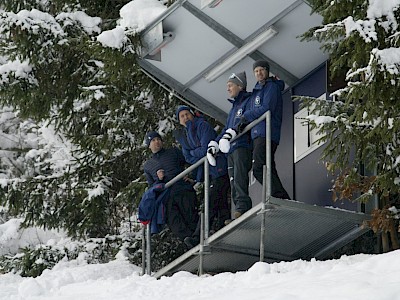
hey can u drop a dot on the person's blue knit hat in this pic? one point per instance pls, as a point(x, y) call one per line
point(151, 135)
point(183, 107)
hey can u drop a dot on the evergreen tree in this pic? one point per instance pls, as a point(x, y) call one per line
point(361, 125)
point(54, 72)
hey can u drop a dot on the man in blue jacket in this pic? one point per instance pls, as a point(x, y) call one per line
point(239, 151)
point(267, 95)
point(165, 164)
point(194, 139)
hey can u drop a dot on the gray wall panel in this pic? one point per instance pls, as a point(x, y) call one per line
point(312, 183)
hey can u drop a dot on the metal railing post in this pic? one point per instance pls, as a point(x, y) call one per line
point(143, 249)
point(148, 250)
point(268, 155)
point(206, 199)
point(263, 196)
point(201, 253)
point(267, 189)
point(204, 217)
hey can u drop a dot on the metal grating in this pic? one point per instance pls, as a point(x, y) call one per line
point(294, 230)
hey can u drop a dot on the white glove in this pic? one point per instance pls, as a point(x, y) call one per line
point(212, 151)
point(225, 141)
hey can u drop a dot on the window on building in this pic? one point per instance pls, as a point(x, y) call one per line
point(305, 139)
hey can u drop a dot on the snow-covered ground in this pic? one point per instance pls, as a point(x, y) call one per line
point(375, 277)
point(351, 277)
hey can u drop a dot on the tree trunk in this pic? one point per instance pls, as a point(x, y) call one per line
point(393, 236)
point(385, 242)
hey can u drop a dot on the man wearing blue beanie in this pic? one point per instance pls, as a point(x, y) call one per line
point(194, 138)
point(151, 135)
point(161, 167)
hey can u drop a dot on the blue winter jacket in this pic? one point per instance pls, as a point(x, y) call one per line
point(239, 106)
point(194, 139)
point(152, 207)
point(266, 97)
point(172, 162)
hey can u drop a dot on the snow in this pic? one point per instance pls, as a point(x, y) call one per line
point(35, 20)
point(97, 191)
point(389, 59)
point(362, 276)
point(12, 238)
point(89, 24)
point(135, 16)
point(379, 12)
point(16, 68)
point(350, 277)
point(318, 120)
point(365, 28)
point(378, 9)
point(114, 38)
point(140, 13)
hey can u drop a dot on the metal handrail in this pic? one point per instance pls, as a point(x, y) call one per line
point(204, 161)
point(201, 160)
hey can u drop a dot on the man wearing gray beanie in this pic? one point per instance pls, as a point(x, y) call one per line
point(267, 95)
point(239, 150)
point(239, 79)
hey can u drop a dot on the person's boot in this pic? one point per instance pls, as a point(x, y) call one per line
point(278, 191)
point(191, 241)
point(236, 215)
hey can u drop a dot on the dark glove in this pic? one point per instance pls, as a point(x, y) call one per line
point(241, 125)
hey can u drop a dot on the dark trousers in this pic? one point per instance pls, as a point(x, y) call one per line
point(218, 204)
point(259, 159)
point(239, 165)
point(182, 214)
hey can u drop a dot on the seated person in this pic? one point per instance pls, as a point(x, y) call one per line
point(165, 164)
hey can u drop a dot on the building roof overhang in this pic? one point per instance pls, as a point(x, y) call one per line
point(196, 44)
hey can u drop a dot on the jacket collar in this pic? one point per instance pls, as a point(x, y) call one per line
point(159, 152)
point(261, 85)
point(240, 97)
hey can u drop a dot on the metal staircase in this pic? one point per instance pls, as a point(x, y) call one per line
point(273, 230)
point(294, 230)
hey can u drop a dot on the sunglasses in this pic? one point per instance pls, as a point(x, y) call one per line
point(235, 76)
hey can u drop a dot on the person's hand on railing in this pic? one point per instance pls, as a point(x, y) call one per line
point(225, 141)
point(212, 151)
point(241, 125)
point(188, 179)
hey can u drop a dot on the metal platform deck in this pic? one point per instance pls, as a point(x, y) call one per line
point(294, 230)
